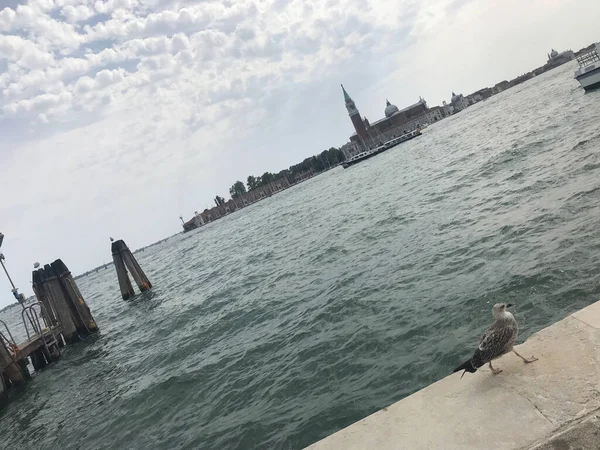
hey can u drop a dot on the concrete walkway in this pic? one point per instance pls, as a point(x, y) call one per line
point(526, 406)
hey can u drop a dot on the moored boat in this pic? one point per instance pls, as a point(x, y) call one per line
point(382, 148)
point(588, 73)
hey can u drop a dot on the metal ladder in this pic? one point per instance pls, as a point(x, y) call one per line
point(51, 347)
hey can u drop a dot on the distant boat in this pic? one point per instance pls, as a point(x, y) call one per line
point(360, 157)
point(382, 148)
point(588, 73)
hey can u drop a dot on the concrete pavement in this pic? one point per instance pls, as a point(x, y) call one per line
point(524, 407)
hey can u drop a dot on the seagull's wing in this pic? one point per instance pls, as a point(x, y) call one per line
point(493, 342)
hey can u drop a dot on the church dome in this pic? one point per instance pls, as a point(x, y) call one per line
point(390, 109)
point(454, 97)
point(553, 54)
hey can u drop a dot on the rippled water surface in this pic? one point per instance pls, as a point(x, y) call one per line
point(282, 323)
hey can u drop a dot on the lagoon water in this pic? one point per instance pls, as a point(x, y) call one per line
point(280, 324)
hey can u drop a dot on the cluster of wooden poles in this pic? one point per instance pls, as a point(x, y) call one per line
point(65, 316)
point(124, 260)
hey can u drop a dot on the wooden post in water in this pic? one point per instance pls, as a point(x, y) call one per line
point(84, 321)
point(124, 283)
point(9, 366)
point(59, 305)
point(123, 258)
point(38, 359)
point(42, 296)
point(136, 271)
point(22, 363)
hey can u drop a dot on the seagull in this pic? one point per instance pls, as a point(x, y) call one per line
point(498, 340)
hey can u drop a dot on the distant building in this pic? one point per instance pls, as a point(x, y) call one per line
point(239, 202)
point(350, 149)
point(398, 121)
point(446, 108)
point(556, 59)
point(190, 225)
point(430, 116)
point(198, 219)
point(458, 102)
point(522, 78)
point(479, 95)
point(585, 50)
point(395, 123)
point(499, 87)
point(304, 176)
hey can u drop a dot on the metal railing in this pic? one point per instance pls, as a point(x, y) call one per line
point(9, 342)
point(587, 59)
point(34, 319)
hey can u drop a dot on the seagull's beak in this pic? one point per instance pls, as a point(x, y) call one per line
point(510, 304)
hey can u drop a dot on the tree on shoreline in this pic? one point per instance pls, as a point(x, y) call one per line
point(237, 189)
point(219, 201)
point(251, 182)
point(317, 163)
point(266, 178)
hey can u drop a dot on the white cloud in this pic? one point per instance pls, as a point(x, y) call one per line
point(205, 15)
point(10, 18)
point(117, 88)
point(84, 84)
point(23, 52)
point(107, 77)
point(43, 30)
point(179, 42)
point(109, 6)
point(7, 18)
point(78, 13)
point(39, 103)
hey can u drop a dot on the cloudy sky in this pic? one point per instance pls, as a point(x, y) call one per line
point(117, 116)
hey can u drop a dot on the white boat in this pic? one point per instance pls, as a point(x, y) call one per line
point(588, 73)
point(382, 148)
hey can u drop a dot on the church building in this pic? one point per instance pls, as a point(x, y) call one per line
point(395, 123)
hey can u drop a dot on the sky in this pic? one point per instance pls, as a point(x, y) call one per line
point(118, 116)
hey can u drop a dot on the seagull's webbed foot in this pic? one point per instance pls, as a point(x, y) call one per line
point(494, 371)
point(525, 360)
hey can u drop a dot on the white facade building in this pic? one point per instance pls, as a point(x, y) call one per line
point(458, 102)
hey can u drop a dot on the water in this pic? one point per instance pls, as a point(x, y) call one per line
point(280, 324)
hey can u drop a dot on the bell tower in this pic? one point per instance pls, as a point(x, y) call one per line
point(359, 125)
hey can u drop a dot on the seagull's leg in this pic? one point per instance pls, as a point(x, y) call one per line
point(494, 371)
point(525, 360)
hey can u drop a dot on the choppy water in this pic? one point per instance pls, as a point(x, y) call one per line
point(279, 325)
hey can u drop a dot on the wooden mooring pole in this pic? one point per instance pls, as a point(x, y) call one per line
point(63, 303)
point(124, 282)
point(39, 289)
point(9, 367)
point(82, 316)
point(124, 260)
point(59, 305)
point(65, 315)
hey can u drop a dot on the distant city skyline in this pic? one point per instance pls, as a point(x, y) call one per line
point(113, 109)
